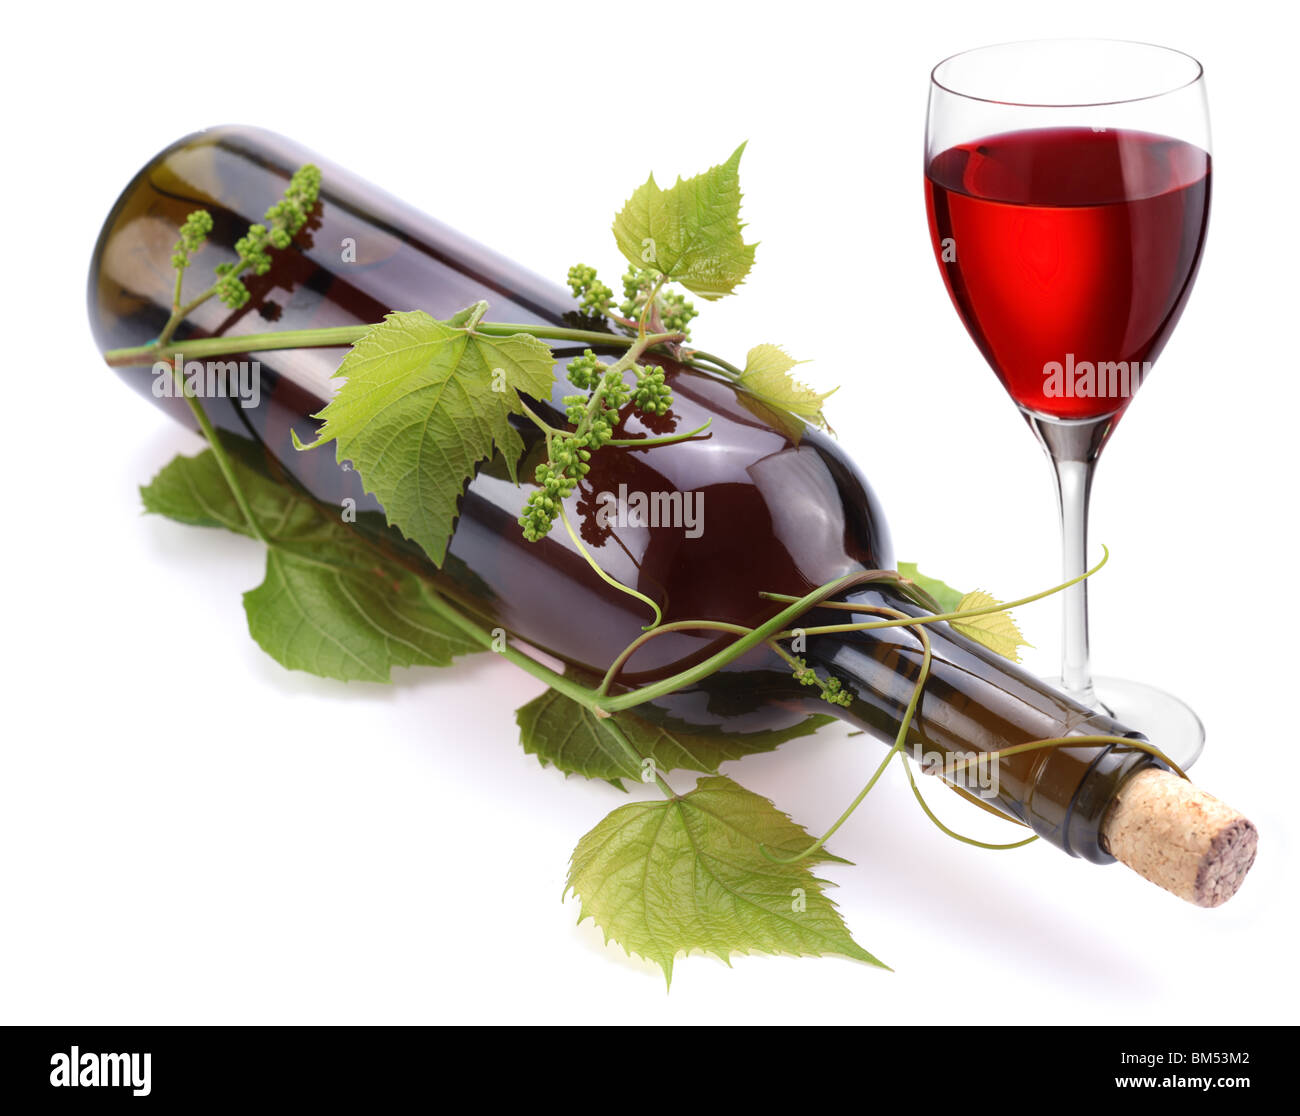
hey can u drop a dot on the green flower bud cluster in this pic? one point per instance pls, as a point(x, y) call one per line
point(675, 313)
point(832, 689)
point(557, 478)
point(230, 288)
point(637, 284)
point(594, 297)
point(287, 216)
point(585, 371)
point(285, 219)
point(652, 394)
point(570, 454)
point(614, 396)
point(253, 257)
point(193, 233)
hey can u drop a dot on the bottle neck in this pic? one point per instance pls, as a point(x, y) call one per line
point(977, 702)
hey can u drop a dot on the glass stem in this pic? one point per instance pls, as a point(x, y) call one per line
point(1073, 448)
point(1073, 487)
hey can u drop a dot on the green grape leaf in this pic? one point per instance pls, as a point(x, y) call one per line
point(997, 631)
point(665, 878)
point(691, 233)
point(193, 490)
point(423, 403)
point(767, 375)
point(331, 604)
point(328, 617)
point(558, 730)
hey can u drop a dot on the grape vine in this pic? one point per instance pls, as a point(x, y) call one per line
point(452, 386)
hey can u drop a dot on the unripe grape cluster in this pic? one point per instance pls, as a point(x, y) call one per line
point(570, 453)
point(637, 283)
point(253, 256)
point(675, 313)
point(290, 213)
point(285, 219)
point(194, 231)
point(556, 479)
point(584, 371)
point(652, 394)
point(593, 296)
point(832, 690)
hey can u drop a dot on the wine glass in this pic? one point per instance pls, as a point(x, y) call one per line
point(1067, 184)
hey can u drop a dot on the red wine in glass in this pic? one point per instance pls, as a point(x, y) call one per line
point(1067, 184)
point(1070, 249)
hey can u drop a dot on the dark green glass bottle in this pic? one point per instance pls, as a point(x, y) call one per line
point(777, 513)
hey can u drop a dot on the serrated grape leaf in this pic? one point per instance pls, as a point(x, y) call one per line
point(193, 490)
point(331, 604)
point(997, 631)
point(767, 375)
point(665, 878)
point(422, 403)
point(691, 232)
point(558, 730)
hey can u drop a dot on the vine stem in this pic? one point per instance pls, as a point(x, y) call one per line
point(721, 365)
point(650, 311)
point(772, 631)
point(223, 461)
point(768, 630)
point(916, 793)
point(904, 726)
point(1017, 749)
point(661, 440)
point(733, 651)
point(180, 313)
point(916, 625)
point(544, 426)
point(609, 579)
point(340, 335)
point(227, 346)
point(620, 737)
point(908, 621)
point(952, 767)
point(675, 626)
point(176, 290)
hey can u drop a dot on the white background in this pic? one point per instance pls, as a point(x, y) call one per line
point(189, 833)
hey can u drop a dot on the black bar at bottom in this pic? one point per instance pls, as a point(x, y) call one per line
point(371, 1064)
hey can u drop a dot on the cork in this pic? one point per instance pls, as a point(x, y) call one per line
point(1177, 836)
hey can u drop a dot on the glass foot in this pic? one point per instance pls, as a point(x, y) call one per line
point(1168, 723)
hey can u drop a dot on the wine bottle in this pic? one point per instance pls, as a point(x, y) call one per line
point(702, 527)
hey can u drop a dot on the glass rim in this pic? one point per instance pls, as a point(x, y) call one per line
point(1198, 75)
